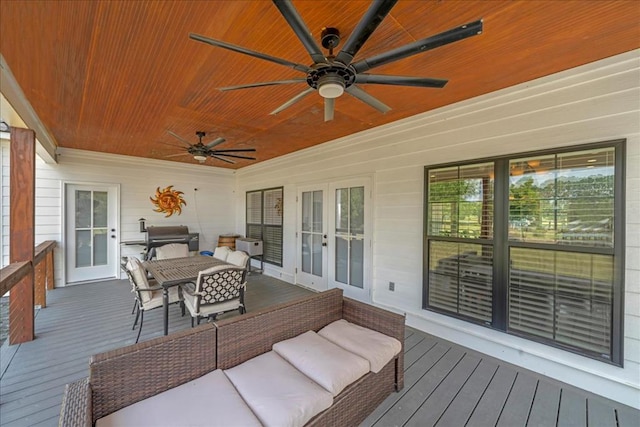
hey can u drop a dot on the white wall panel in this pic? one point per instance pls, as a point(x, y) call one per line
point(208, 210)
point(596, 102)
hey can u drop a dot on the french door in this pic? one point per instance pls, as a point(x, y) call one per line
point(91, 237)
point(334, 237)
point(312, 237)
point(350, 233)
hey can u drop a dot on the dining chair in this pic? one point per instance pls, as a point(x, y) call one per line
point(239, 258)
point(172, 250)
point(217, 290)
point(222, 252)
point(147, 294)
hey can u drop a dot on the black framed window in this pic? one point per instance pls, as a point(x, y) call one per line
point(264, 221)
point(531, 245)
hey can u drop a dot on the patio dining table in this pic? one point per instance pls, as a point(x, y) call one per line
point(173, 271)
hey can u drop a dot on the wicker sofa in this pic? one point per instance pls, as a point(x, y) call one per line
point(122, 377)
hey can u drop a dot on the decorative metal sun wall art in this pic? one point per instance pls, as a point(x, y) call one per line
point(168, 201)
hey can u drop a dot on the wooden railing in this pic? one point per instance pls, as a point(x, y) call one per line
point(42, 269)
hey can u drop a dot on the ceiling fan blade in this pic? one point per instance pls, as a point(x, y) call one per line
point(234, 156)
point(400, 80)
point(274, 83)
point(223, 159)
point(291, 15)
point(419, 46)
point(363, 96)
point(179, 138)
point(215, 142)
point(293, 100)
point(171, 145)
point(244, 50)
point(235, 150)
point(329, 108)
point(367, 25)
point(178, 155)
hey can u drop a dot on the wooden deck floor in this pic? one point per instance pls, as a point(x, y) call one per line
point(445, 384)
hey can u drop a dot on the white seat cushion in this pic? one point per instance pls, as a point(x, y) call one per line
point(172, 250)
point(377, 348)
point(221, 252)
point(210, 400)
point(134, 265)
point(279, 394)
point(326, 363)
point(238, 258)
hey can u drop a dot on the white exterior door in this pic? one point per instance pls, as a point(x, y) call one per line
point(349, 237)
point(311, 235)
point(91, 237)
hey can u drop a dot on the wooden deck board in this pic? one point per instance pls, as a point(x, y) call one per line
point(544, 411)
point(492, 402)
point(599, 414)
point(421, 390)
point(461, 407)
point(573, 410)
point(437, 403)
point(518, 405)
point(445, 384)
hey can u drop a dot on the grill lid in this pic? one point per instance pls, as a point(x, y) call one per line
point(168, 232)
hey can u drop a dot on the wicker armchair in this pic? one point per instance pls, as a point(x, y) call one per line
point(148, 295)
point(217, 290)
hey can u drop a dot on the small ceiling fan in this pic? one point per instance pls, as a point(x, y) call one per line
point(201, 151)
point(332, 75)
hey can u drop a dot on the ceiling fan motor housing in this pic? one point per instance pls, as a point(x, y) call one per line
point(332, 74)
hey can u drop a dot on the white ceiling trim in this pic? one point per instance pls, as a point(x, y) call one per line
point(121, 160)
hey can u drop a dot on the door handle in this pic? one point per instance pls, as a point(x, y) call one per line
point(113, 236)
point(324, 243)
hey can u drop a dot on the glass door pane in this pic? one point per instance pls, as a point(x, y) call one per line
point(312, 225)
point(349, 236)
point(91, 228)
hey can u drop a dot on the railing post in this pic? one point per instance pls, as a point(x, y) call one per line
point(40, 283)
point(22, 189)
point(49, 272)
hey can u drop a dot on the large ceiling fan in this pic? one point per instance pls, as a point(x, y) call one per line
point(332, 75)
point(201, 151)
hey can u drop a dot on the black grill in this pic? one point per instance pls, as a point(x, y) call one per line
point(160, 236)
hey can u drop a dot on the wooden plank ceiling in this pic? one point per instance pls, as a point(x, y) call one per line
point(115, 76)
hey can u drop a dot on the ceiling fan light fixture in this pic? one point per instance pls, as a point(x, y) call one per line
point(331, 90)
point(330, 86)
point(200, 158)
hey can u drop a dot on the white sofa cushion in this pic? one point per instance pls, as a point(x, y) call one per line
point(377, 348)
point(279, 394)
point(326, 363)
point(210, 400)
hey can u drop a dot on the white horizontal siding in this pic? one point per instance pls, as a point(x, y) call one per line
point(208, 210)
point(596, 102)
